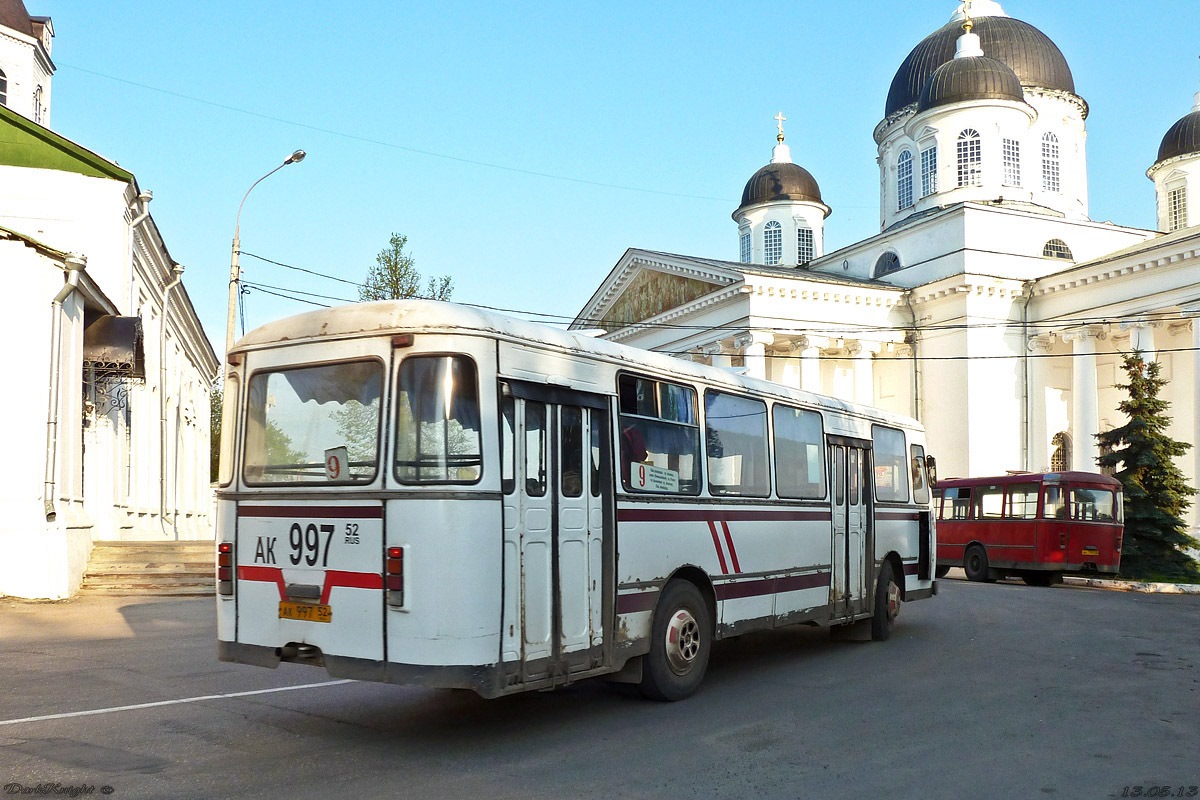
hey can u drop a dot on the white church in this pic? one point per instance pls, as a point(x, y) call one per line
point(107, 436)
point(989, 305)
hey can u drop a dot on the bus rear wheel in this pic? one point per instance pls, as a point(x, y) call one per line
point(680, 643)
point(887, 604)
point(975, 564)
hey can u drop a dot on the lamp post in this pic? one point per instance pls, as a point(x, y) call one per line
point(235, 274)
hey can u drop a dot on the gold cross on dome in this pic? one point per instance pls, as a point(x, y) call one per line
point(780, 119)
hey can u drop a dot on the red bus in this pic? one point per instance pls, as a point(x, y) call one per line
point(1036, 526)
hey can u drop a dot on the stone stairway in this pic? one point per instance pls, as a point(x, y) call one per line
point(150, 568)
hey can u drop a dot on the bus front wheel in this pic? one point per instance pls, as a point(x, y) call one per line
point(975, 564)
point(887, 604)
point(680, 643)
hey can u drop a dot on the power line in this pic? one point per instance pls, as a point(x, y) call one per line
point(394, 145)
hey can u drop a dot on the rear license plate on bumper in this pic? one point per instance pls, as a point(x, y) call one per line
point(308, 612)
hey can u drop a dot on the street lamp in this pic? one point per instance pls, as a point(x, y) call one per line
point(235, 274)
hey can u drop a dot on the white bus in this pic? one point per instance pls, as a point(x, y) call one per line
point(422, 493)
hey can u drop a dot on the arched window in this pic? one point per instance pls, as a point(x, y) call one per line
point(904, 181)
point(1050, 168)
point(3, 88)
point(37, 105)
point(773, 243)
point(1177, 211)
point(1057, 248)
point(888, 262)
point(1060, 459)
point(804, 245)
point(970, 159)
point(744, 247)
point(1012, 162)
point(929, 181)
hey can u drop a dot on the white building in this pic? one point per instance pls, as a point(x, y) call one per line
point(112, 442)
point(989, 305)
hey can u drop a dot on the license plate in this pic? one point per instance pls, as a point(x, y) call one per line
point(1091, 551)
point(308, 612)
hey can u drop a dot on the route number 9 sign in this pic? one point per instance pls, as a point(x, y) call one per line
point(337, 465)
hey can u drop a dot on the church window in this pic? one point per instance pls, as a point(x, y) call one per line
point(1060, 459)
point(804, 245)
point(744, 247)
point(1012, 162)
point(904, 181)
point(1177, 208)
point(773, 243)
point(37, 105)
point(1051, 181)
point(1057, 248)
point(3, 88)
point(888, 262)
point(970, 159)
point(929, 182)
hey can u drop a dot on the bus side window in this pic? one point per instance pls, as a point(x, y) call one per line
point(962, 502)
point(1053, 506)
point(594, 449)
point(508, 459)
point(535, 449)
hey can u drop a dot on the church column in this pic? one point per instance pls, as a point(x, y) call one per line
point(754, 350)
point(1141, 338)
point(864, 372)
point(1037, 437)
point(1193, 311)
point(1085, 413)
point(810, 348)
point(716, 352)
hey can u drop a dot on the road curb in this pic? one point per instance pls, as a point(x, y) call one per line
point(1133, 586)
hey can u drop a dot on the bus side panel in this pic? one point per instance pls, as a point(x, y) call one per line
point(226, 531)
point(452, 581)
point(899, 531)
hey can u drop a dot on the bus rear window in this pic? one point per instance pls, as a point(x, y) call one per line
point(317, 424)
point(437, 421)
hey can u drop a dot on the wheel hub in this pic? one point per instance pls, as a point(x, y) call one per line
point(683, 641)
point(893, 600)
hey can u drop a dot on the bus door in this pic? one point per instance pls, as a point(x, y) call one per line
point(850, 468)
point(557, 533)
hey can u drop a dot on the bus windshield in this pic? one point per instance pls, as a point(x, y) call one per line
point(297, 418)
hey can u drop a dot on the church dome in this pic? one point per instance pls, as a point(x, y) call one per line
point(1029, 53)
point(1183, 138)
point(972, 78)
point(785, 181)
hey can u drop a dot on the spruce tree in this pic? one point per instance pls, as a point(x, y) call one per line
point(1156, 494)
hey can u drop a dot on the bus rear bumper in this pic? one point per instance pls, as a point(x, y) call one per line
point(484, 680)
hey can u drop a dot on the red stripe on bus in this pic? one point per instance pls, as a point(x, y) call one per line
point(640, 601)
point(264, 575)
point(712, 528)
point(312, 512)
point(765, 586)
point(729, 541)
point(697, 515)
point(909, 515)
point(349, 580)
point(912, 569)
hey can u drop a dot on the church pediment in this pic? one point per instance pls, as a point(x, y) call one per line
point(650, 293)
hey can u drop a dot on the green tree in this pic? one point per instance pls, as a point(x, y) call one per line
point(1156, 494)
point(395, 277)
point(216, 401)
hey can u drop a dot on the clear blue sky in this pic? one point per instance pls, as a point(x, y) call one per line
point(431, 120)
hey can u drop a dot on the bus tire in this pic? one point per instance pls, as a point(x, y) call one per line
point(681, 640)
point(887, 604)
point(941, 571)
point(975, 564)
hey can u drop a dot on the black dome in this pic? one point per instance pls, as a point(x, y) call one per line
point(970, 78)
point(1028, 52)
point(1182, 139)
point(785, 181)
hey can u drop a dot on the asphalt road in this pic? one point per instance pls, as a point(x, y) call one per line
point(997, 690)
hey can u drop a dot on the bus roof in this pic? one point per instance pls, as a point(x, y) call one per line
point(1069, 476)
point(389, 317)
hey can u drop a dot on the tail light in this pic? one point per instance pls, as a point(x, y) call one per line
point(394, 576)
point(225, 568)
